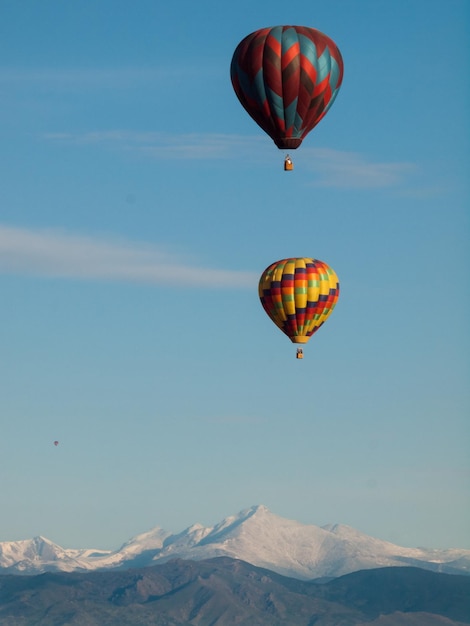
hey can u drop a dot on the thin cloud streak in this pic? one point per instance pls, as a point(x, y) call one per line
point(352, 170)
point(160, 145)
point(52, 253)
point(332, 168)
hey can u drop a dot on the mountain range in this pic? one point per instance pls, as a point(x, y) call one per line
point(255, 535)
point(225, 591)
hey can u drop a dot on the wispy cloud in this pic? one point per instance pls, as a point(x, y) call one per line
point(331, 168)
point(335, 168)
point(53, 253)
point(163, 145)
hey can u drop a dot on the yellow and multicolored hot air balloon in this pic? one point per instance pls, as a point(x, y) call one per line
point(299, 295)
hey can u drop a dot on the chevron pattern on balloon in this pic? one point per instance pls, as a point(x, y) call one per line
point(287, 78)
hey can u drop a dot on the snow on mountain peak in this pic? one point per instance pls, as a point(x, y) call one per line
point(255, 514)
point(255, 535)
point(150, 540)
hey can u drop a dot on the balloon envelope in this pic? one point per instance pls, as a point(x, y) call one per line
point(287, 77)
point(299, 295)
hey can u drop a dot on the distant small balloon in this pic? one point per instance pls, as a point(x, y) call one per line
point(56, 443)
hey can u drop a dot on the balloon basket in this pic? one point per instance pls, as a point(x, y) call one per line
point(288, 164)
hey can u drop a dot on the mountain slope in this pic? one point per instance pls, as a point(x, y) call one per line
point(225, 591)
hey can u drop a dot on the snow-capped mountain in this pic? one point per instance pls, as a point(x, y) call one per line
point(254, 535)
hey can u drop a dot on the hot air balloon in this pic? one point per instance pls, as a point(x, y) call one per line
point(287, 78)
point(56, 443)
point(299, 295)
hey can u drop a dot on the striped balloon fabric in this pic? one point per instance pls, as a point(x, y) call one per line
point(299, 295)
point(287, 78)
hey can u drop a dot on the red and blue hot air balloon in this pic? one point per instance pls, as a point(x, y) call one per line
point(287, 78)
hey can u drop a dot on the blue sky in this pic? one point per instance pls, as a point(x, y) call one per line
point(139, 205)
